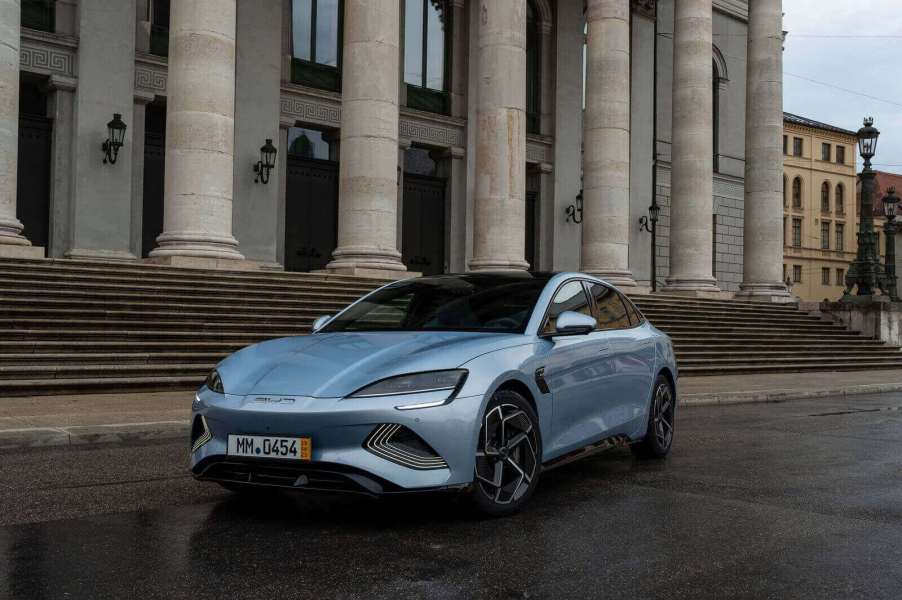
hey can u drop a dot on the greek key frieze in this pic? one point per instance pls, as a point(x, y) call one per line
point(34, 56)
point(151, 79)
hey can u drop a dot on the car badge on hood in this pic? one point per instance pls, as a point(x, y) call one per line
point(273, 400)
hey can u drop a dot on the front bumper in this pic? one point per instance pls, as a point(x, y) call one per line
point(339, 429)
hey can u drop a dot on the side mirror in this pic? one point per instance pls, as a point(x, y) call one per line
point(320, 323)
point(573, 323)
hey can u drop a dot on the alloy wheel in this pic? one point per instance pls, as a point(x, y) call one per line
point(662, 422)
point(506, 457)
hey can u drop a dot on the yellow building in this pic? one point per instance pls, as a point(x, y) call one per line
point(819, 207)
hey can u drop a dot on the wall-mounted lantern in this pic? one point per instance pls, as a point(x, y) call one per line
point(649, 223)
point(115, 139)
point(575, 210)
point(264, 166)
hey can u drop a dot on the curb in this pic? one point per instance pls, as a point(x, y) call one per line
point(119, 433)
point(783, 395)
point(92, 434)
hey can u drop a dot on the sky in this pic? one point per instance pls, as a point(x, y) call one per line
point(860, 51)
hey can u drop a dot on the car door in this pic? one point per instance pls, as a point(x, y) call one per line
point(575, 369)
point(631, 356)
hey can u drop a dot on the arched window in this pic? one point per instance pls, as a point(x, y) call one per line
point(840, 199)
point(533, 70)
point(426, 48)
point(825, 197)
point(316, 43)
point(797, 192)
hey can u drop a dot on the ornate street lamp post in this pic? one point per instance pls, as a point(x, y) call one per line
point(650, 224)
point(890, 202)
point(866, 273)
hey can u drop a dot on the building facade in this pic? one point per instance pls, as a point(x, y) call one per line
point(820, 213)
point(411, 136)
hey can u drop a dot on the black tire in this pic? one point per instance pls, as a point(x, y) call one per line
point(659, 433)
point(509, 458)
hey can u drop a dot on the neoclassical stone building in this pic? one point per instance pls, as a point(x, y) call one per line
point(411, 135)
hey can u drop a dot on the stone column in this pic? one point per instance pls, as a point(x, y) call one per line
point(763, 233)
point(200, 135)
point(691, 227)
point(606, 142)
point(12, 242)
point(368, 171)
point(500, 188)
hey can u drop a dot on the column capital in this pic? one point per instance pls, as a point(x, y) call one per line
point(61, 82)
point(143, 97)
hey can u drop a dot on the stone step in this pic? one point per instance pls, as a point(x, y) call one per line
point(120, 358)
point(78, 371)
point(69, 335)
point(37, 347)
point(716, 325)
point(30, 387)
point(147, 270)
point(649, 299)
point(25, 314)
point(178, 289)
point(697, 371)
point(18, 296)
point(211, 306)
point(288, 328)
point(840, 357)
point(783, 354)
point(769, 338)
point(724, 314)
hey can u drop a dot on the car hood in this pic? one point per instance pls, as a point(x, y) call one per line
point(333, 365)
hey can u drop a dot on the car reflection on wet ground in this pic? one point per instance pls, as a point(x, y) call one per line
point(801, 499)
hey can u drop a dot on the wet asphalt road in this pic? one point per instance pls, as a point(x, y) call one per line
point(794, 500)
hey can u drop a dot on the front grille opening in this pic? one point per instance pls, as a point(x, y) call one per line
point(200, 433)
point(402, 446)
point(322, 478)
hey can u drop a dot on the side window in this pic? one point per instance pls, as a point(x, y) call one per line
point(610, 311)
point(636, 317)
point(570, 296)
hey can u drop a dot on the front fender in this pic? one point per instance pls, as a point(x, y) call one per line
point(491, 371)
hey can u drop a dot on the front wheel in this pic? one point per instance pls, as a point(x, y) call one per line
point(659, 434)
point(508, 455)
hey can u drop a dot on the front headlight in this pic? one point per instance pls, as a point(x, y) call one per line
point(415, 383)
point(214, 382)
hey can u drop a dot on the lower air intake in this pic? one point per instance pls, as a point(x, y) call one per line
point(402, 446)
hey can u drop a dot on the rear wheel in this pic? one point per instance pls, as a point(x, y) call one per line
point(508, 455)
point(659, 434)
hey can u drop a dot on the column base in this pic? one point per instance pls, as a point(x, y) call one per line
point(774, 293)
point(618, 278)
point(204, 262)
point(496, 264)
point(685, 284)
point(361, 260)
point(368, 273)
point(197, 245)
point(18, 251)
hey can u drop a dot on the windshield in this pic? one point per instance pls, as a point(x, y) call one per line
point(500, 304)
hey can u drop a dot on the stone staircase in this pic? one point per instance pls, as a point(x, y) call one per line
point(71, 327)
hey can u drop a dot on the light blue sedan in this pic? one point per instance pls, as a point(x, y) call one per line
point(475, 382)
